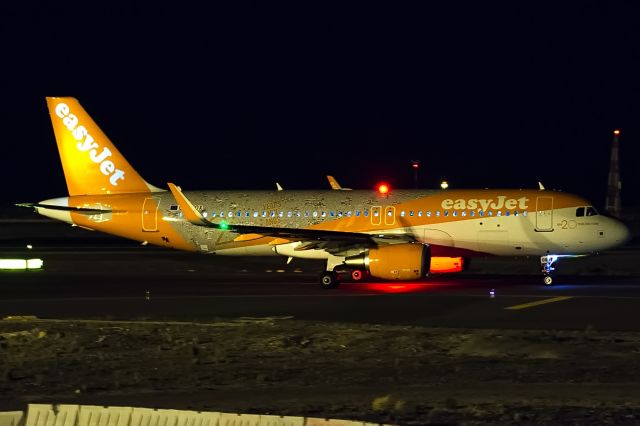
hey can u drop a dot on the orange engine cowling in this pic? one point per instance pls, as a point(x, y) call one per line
point(444, 265)
point(395, 262)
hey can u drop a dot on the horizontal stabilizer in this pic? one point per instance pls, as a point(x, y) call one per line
point(82, 210)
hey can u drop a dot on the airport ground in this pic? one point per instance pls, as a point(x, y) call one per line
point(123, 324)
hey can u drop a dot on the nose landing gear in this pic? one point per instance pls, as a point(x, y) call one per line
point(547, 268)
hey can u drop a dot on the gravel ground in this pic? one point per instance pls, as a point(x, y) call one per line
point(393, 374)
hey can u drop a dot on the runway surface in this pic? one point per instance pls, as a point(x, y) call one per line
point(109, 278)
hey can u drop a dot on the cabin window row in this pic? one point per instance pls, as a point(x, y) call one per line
point(364, 213)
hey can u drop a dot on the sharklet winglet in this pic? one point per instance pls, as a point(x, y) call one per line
point(190, 212)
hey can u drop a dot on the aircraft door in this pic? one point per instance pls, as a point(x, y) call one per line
point(390, 215)
point(376, 216)
point(544, 214)
point(150, 214)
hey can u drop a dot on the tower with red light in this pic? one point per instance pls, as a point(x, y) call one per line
point(613, 203)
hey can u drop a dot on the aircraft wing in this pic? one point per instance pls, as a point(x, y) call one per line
point(333, 242)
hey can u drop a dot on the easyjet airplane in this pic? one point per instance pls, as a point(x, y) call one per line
point(388, 235)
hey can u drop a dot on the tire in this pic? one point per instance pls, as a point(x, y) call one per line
point(547, 280)
point(329, 280)
point(357, 275)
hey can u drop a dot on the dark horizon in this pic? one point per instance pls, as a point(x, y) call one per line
point(244, 96)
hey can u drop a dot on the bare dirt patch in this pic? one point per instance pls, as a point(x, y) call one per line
point(379, 373)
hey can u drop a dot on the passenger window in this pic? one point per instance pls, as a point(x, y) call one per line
point(366, 213)
point(420, 213)
point(401, 213)
point(464, 213)
point(446, 213)
point(472, 213)
point(455, 213)
point(428, 213)
point(375, 213)
point(331, 213)
point(255, 214)
point(289, 214)
point(324, 214)
point(214, 214)
point(437, 213)
point(411, 213)
point(481, 213)
point(315, 214)
point(580, 212)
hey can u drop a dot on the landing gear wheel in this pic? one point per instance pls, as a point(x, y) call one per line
point(356, 275)
point(548, 280)
point(329, 280)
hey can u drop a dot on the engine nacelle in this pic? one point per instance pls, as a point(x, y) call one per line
point(408, 261)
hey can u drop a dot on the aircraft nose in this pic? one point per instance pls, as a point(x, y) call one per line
point(620, 233)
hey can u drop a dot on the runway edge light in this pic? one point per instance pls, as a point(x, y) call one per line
point(17, 264)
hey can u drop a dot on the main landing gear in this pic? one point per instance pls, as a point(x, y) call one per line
point(547, 268)
point(331, 279)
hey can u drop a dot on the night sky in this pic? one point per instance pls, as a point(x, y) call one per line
point(240, 95)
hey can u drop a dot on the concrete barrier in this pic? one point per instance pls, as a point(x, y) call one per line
point(314, 421)
point(93, 415)
point(266, 420)
point(11, 418)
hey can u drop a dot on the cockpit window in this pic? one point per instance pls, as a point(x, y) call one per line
point(586, 211)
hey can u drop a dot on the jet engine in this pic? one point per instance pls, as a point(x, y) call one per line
point(408, 261)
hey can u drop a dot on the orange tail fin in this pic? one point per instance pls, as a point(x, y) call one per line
point(92, 164)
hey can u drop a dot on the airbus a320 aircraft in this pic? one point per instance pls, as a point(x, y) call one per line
point(392, 235)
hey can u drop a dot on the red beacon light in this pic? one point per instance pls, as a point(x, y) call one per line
point(383, 188)
point(616, 132)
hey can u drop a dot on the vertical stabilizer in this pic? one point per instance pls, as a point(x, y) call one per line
point(92, 164)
